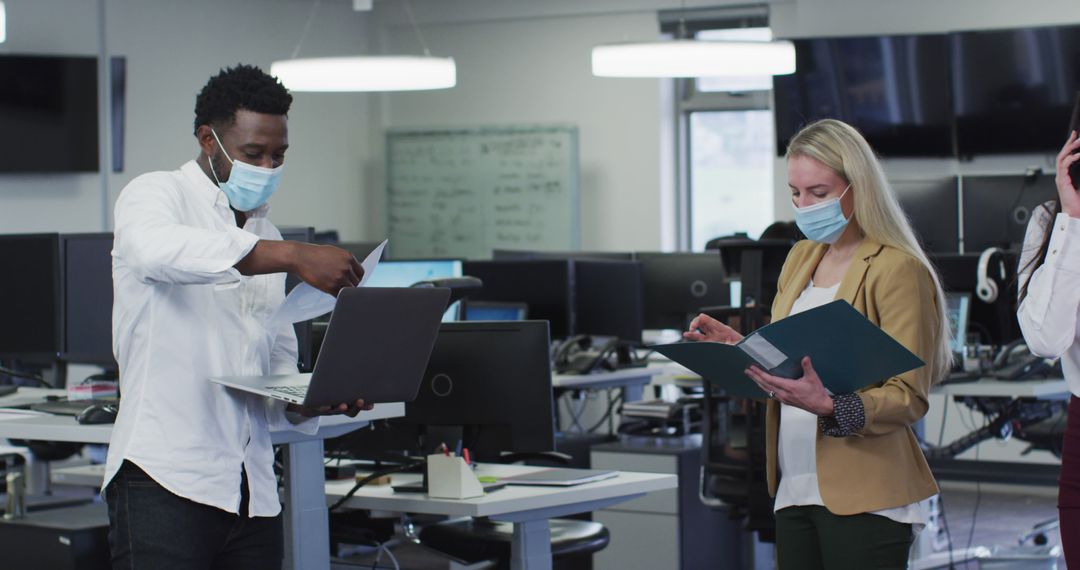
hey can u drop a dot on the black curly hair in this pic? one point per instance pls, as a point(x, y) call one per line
point(240, 87)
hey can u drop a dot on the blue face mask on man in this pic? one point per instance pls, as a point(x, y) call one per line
point(823, 222)
point(248, 186)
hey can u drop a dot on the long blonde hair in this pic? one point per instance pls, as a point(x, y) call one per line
point(841, 148)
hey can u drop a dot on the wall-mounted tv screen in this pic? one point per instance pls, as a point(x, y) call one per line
point(894, 89)
point(49, 110)
point(1014, 89)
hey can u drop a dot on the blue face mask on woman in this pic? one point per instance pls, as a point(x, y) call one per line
point(823, 222)
point(248, 186)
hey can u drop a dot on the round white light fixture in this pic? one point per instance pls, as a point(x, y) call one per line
point(366, 73)
point(693, 58)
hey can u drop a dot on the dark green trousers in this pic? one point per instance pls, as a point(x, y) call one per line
point(812, 538)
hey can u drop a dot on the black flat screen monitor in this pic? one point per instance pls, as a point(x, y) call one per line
point(608, 298)
point(1013, 89)
point(519, 254)
point(675, 286)
point(86, 260)
point(894, 89)
point(995, 323)
point(997, 209)
point(933, 207)
point(757, 285)
point(305, 336)
point(545, 286)
point(52, 103)
point(487, 383)
point(30, 296)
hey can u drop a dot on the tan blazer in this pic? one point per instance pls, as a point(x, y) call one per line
point(882, 466)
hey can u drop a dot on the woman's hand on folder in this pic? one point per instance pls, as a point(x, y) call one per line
point(704, 327)
point(807, 392)
point(343, 408)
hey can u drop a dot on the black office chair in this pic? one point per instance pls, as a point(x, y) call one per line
point(472, 540)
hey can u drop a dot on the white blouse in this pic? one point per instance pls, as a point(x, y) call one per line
point(1048, 314)
point(797, 448)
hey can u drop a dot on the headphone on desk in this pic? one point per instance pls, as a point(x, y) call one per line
point(986, 288)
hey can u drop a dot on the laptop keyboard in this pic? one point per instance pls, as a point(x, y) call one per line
point(297, 391)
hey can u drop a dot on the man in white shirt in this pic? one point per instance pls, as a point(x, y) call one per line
point(197, 271)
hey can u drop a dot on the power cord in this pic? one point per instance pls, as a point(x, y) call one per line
point(25, 376)
point(372, 477)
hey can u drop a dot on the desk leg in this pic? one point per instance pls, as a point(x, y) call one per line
point(307, 530)
point(531, 549)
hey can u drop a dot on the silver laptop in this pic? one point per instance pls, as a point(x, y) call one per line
point(376, 348)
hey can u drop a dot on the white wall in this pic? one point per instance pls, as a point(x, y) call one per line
point(172, 48)
point(537, 70)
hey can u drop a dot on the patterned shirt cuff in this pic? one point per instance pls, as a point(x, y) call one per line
point(848, 417)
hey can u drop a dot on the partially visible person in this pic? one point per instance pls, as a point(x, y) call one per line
point(1049, 297)
point(846, 469)
point(198, 269)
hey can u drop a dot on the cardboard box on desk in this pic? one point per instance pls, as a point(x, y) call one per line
point(449, 477)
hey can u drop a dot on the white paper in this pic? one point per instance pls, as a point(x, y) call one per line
point(762, 351)
point(306, 302)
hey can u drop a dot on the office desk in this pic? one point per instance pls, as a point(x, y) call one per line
point(631, 380)
point(306, 526)
point(1050, 389)
point(528, 507)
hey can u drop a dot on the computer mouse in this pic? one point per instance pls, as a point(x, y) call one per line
point(98, 414)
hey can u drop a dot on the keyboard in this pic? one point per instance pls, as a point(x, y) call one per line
point(296, 391)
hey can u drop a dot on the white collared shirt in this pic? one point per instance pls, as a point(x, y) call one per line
point(182, 314)
point(1048, 314)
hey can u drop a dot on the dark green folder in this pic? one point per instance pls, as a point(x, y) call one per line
point(847, 351)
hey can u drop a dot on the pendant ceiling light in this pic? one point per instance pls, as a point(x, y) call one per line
point(366, 72)
point(693, 58)
point(733, 52)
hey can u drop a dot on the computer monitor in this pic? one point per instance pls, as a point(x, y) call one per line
point(516, 254)
point(86, 263)
point(487, 383)
point(494, 311)
point(545, 286)
point(607, 297)
point(957, 309)
point(997, 209)
point(933, 206)
point(675, 286)
point(773, 253)
point(305, 336)
point(405, 273)
point(30, 296)
point(995, 323)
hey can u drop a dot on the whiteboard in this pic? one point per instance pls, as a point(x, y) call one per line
point(463, 193)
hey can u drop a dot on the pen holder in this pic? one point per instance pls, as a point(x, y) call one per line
point(449, 477)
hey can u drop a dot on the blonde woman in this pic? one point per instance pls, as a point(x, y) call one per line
point(845, 469)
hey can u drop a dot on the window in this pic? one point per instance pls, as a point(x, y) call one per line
point(731, 174)
point(726, 151)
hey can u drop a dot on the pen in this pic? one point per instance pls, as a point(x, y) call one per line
point(465, 454)
point(457, 449)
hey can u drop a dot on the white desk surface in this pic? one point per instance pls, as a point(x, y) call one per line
point(26, 424)
point(1050, 389)
point(509, 499)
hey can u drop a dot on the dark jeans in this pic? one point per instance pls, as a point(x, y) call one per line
point(1069, 487)
point(153, 529)
point(812, 538)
